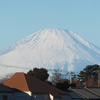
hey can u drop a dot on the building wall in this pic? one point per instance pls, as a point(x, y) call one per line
point(62, 97)
point(51, 97)
point(8, 95)
point(65, 97)
point(54, 98)
point(28, 92)
point(74, 98)
point(21, 96)
point(40, 97)
point(27, 96)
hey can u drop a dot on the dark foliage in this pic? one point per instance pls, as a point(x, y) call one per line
point(89, 71)
point(63, 86)
point(41, 74)
point(72, 85)
point(48, 82)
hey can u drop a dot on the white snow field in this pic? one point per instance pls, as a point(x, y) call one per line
point(50, 49)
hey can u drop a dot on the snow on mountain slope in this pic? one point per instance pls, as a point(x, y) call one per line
point(51, 49)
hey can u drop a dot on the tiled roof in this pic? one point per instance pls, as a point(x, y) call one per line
point(74, 96)
point(4, 88)
point(85, 93)
point(95, 90)
point(17, 81)
point(25, 82)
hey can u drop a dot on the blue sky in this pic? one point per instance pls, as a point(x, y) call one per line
point(21, 18)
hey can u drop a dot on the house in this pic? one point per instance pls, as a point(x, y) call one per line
point(74, 96)
point(31, 88)
point(6, 93)
point(87, 93)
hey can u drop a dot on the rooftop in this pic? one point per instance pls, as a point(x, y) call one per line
point(4, 88)
point(25, 82)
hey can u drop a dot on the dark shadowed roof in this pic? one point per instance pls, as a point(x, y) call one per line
point(85, 93)
point(95, 90)
point(74, 96)
point(4, 88)
point(25, 82)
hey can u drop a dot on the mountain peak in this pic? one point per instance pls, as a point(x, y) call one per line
point(51, 49)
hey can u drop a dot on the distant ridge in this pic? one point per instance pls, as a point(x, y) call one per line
point(50, 49)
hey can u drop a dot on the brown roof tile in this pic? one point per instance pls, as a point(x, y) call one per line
point(25, 82)
point(17, 81)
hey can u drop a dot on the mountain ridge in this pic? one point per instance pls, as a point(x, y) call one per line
point(51, 49)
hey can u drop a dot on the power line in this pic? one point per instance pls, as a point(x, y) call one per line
point(4, 65)
point(20, 67)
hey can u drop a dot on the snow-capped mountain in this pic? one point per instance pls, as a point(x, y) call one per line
point(50, 49)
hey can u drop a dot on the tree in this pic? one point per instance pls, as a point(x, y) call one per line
point(5, 78)
point(41, 74)
point(56, 77)
point(89, 71)
point(64, 85)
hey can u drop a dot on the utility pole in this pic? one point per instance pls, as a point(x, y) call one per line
point(98, 78)
point(71, 77)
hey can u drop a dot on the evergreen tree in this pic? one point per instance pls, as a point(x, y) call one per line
point(89, 71)
point(41, 74)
